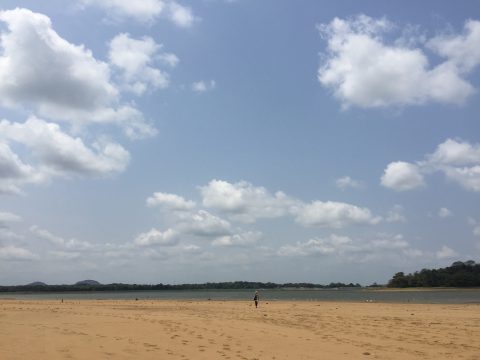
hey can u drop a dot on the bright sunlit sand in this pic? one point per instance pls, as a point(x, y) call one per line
point(236, 330)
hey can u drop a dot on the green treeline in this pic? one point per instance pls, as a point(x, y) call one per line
point(459, 274)
point(236, 285)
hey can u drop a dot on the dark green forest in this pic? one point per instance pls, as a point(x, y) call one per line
point(459, 274)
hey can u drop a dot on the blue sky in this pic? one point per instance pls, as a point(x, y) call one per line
point(181, 141)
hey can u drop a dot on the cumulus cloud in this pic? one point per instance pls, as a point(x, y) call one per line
point(475, 225)
point(401, 176)
point(156, 237)
point(346, 247)
point(70, 244)
point(333, 214)
point(319, 246)
point(363, 69)
point(145, 11)
point(203, 86)
point(11, 253)
point(248, 238)
point(446, 253)
point(64, 255)
point(8, 236)
point(134, 58)
point(455, 153)
point(8, 217)
point(462, 50)
point(347, 182)
point(170, 202)
point(476, 230)
point(13, 172)
point(467, 177)
point(204, 224)
point(59, 154)
point(457, 159)
point(444, 213)
point(43, 72)
point(244, 201)
point(396, 215)
point(180, 15)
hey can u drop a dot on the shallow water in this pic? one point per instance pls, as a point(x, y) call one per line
point(443, 296)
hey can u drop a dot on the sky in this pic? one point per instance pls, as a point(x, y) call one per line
point(165, 141)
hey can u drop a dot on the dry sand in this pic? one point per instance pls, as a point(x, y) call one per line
point(236, 330)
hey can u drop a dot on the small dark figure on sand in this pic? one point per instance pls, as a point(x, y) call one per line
point(255, 298)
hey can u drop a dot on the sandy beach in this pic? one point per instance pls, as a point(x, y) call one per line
point(121, 329)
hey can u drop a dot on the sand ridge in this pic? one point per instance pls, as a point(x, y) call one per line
point(103, 329)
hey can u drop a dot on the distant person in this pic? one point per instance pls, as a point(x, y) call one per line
point(255, 299)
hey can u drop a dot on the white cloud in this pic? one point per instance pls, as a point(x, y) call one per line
point(462, 50)
point(401, 176)
point(8, 217)
point(364, 70)
point(457, 159)
point(64, 255)
point(203, 86)
point(71, 244)
point(444, 213)
point(446, 253)
point(476, 230)
point(11, 167)
point(6, 235)
point(180, 15)
point(396, 215)
point(238, 240)
point(319, 246)
point(45, 73)
point(59, 154)
point(145, 11)
point(476, 226)
point(455, 153)
point(168, 59)
point(347, 248)
point(11, 252)
point(190, 249)
point(245, 202)
point(467, 177)
point(156, 237)
point(333, 215)
point(13, 172)
point(134, 57)
point(347, 182)
point(170, 202)
point(204, 224)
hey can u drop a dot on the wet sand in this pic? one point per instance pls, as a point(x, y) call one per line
point(122, 329)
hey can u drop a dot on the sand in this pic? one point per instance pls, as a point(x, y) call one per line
point(93, 330)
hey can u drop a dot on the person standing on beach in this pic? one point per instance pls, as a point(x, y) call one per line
point(255, 298)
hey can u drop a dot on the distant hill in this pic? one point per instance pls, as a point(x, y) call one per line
point(87, 282)
point(37, 283)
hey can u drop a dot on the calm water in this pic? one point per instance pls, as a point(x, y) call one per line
point(453, 296)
